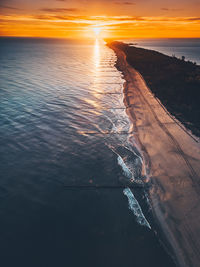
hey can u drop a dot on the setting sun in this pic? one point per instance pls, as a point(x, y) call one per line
point(97, 31)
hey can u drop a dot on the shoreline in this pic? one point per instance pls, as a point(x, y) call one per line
point(171, 157)
point(175, 82)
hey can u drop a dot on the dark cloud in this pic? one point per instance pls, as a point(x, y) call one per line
point(124, 3)
point(130, 19)
point(8, 7)
point(71, 17)
point(171, 9)
point(59, 17)
point(57, 10)
point(194, 19)
point(43, 17)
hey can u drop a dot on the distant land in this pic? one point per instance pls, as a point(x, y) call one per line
point(174, 81)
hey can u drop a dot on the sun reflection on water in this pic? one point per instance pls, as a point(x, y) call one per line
point(95, 90)
point(97, 54)
point(97, 69)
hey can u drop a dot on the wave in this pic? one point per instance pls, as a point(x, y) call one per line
point(125, 169)
point(135, 208)
point(130, 163)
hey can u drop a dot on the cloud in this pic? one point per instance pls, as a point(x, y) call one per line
point(43, 17)
point(8, 7)
point(124, 3)
point(57, 10)
point(171, 9)
point(101, 20)
point(128, 19)
point(194, 19)
point(71, 18)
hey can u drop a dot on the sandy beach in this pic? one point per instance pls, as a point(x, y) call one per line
point(171, 156)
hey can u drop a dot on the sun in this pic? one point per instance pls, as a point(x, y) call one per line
point(97, 31)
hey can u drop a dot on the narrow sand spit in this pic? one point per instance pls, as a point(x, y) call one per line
point(172, 156)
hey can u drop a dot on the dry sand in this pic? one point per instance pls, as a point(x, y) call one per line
point(172, 157)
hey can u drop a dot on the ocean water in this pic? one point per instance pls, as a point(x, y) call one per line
point(187, 47)
point(67, 159)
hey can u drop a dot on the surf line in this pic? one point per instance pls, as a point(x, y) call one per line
point(132, 201)
point(135, 208)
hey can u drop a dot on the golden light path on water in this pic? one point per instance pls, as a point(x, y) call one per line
point(97, 53)
point(97, 73)
point(96, 77)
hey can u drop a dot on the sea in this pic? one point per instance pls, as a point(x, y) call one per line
point(71, 190)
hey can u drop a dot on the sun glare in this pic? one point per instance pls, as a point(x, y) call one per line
point(96, 31)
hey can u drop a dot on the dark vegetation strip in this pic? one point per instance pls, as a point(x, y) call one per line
point(174, 81)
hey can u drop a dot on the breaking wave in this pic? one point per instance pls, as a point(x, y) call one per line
point(131, 165)
point(135, 208)
point(125, 169)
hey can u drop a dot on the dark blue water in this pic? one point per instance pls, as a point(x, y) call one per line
point(63, 124)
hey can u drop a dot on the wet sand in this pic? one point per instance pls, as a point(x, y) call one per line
point(171, 156)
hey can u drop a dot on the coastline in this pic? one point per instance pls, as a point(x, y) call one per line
point(171, 156)
point(175, 82)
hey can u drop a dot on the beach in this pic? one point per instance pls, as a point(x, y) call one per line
point(171, 156)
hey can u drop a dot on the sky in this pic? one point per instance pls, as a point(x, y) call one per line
point(115, 18)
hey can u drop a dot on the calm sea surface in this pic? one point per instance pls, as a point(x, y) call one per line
point(188, 47)
point(63, 124)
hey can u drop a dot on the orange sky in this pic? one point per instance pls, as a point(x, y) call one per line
point(76, 18)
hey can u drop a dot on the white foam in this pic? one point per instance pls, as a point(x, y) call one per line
point(135, 207)
point(125, 169)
